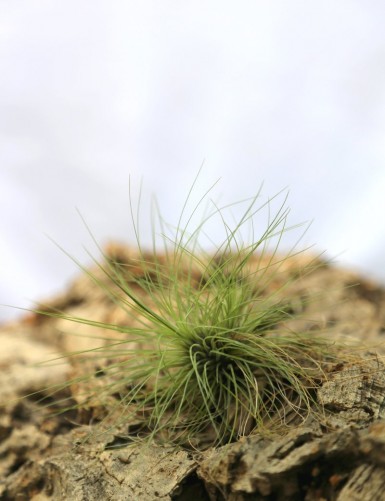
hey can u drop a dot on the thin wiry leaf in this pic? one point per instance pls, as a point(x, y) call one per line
point(212, 356)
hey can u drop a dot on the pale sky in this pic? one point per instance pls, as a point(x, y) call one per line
point(291, 94)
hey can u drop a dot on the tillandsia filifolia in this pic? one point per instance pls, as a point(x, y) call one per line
point(210, 354)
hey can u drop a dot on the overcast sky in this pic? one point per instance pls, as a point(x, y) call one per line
point(291, 94)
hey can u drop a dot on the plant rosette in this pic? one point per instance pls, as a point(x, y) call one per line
point(216, 346)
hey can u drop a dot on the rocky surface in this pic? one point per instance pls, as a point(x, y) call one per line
point(43, 456)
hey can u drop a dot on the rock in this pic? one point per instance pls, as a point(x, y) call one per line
point(45, 457)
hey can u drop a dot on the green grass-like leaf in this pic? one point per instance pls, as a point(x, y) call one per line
point(212, 355)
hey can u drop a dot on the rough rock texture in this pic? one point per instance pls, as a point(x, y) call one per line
point(340, 457)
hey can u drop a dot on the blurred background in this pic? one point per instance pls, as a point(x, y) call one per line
point(95, 93)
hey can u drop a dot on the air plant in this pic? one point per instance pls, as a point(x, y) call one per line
point(211, 352)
